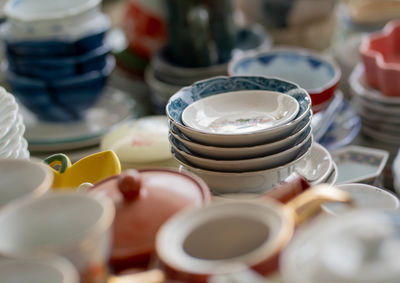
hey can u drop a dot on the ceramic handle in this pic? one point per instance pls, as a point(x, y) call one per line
point(309, 203)
point(59, 162)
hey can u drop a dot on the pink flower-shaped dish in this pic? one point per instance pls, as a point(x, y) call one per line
point(380, 53)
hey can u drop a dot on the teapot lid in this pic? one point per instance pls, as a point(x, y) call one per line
point(355, 247)
point(144, 200)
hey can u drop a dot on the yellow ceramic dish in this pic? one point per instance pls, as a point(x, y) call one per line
point(90, 169)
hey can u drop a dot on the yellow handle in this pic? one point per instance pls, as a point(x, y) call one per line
point(309, 203)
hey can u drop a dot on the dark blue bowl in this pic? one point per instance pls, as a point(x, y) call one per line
point(59, 67)
point(56, 48)
point(63, 100)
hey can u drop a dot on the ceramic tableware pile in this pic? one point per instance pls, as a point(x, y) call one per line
point(375, 85)
point(165, 76)
point(318, 74)
point(240, 134)
point(13, 145)
point(57, 59)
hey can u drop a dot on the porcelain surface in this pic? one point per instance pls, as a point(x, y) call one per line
point(359, 164)
point(317, 74)
point(380, 55)
point(240, 112)
point(219, 152)
point(188, 95)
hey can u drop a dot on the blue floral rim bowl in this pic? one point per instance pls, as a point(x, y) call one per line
point(213, 86)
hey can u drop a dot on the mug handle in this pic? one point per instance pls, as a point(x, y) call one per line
point(58, 162)
point(307, 204)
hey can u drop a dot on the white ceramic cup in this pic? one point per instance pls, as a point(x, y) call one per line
point(363, 197)
point(22, 178)
point(73, 225)
point(53, 269)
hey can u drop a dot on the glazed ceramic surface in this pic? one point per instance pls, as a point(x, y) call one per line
point(363, 197)
point(317, 74)
point(247, 182)
point(316, 166)
point(372, 12)
point(37, 270)
point(23, 178)
point(396, 173)
point(380, 55)
point(139, 141)
point(240, 112)
point(112, 108)
point(302, 145)
point(74, 225)
point(324, 250)
point(90, 169)
point(213, 86)
point(219, 152)
point(359, 164)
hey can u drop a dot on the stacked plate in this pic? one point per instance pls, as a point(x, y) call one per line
point(240, 134)
point(380, 114)
point(12, 143)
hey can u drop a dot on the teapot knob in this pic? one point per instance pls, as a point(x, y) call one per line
point(129, 184)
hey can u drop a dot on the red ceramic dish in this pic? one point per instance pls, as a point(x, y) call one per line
point(380, 53)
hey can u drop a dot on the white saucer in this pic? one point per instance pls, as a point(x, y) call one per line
point(113, 108)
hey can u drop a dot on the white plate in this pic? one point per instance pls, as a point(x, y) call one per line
point(383, 137)
point(332, 178)
point(240, 112)
point(113, 108)
point(359, 164)
point(317, 166)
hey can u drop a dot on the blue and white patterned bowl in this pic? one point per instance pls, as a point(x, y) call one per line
point(187, 95)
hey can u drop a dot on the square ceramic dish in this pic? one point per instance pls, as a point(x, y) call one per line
point(358, 164)
point(232, 153)
point(312, 71)
point(188, 95)
point(240, 112)
point(381, 57)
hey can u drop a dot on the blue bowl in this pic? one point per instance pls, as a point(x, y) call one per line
point(56, 48)
point(63, 100)
point(59, 67)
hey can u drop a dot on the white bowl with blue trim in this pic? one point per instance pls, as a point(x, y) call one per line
point(217, 85)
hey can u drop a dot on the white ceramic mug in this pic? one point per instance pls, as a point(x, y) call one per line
point(22, 178)
point(74, 225)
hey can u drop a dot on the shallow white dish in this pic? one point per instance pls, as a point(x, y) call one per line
point(240, 112)
point(380, 136)
point(317, 166)
point(363, 197)
point(241, 182)
point(333, 175)
point(244, 165)
point(359, 164)
point(219, 152)
point(112, 108)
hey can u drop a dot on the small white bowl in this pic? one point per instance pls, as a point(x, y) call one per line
point(364, 197)
point(242, 182)
point(219, 152)
point(240, 112)
point(244, 165)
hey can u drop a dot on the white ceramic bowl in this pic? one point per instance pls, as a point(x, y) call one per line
point(22, 178)
point(188, 95)
point(37, 270)
point(242, 182)
point(219, 152)
point(240, 112)
point(244, 165)
point(363, 197)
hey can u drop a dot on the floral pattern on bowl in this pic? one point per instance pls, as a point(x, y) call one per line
point(380, 53)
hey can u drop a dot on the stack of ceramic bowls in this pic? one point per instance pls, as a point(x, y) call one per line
point(165, 77)
point(240, 134)
point(57, 58)
point(375, 85)
point(317, 74)
point(13, 145)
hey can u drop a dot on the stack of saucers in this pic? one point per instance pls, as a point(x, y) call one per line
point(12, 143)
point(57, 58)
point(240, 134)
